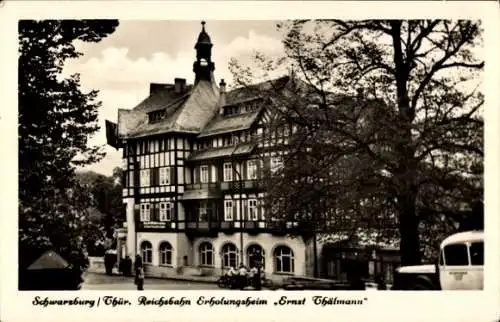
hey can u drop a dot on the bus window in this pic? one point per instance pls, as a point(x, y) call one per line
point(477, 253)
point(456, 255)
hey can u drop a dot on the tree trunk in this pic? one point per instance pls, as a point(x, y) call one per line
point(408, 229)
point(405, 153)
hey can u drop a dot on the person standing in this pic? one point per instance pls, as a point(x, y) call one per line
point(232, 275)
point(243, 275)
point(139, 273)
point(255, 277)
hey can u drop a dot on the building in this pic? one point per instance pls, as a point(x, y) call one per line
point(191, 188)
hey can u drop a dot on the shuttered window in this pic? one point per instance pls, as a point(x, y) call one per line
point(164, 176)
point(252, 210)
point(145, 212)
point(228, 210)
point(165, 211)
point(228, 172)
point(204, 176)
point(252, 169)
point(145, 178)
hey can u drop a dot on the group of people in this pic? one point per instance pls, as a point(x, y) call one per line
point(242, 277)
point(238, 278)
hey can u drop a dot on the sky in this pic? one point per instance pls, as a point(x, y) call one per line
point(138, 53)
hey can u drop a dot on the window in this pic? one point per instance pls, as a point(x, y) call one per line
point(477, 253)
point(252, 169)
point(456, 255)
point(229, 256)
point(228, 210)
point(276, 164)
point(165, 254)
point(164, 176)
point(145, 212)
point(145, 175)
point(252, 209)
point(147, 252)
point(228, 172)
point(284, 262)
point(202, 211)
point(165, 211)
point(204, 174)
point(206, 254)
point(255, 256)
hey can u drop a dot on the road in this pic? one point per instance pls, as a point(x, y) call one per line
point(104, 282)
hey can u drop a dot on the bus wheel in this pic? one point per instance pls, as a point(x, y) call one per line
point(420, 286)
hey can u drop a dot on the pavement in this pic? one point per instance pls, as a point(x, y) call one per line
point(100, 281)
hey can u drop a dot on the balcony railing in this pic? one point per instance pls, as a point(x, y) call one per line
point(192, 225)
point(202, 225)
point(201, 186)
point(235, 185)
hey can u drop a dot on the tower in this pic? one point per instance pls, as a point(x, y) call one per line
point(203, 67)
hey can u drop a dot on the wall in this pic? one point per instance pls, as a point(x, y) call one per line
point(268, 243)
point(156, 239)
point(130, 242)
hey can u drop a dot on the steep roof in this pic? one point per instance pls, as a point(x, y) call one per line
point(187, 113)
point(194, 111)
point(225, 124)
point(252, 92)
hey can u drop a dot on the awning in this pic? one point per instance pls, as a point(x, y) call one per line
point(239, 150)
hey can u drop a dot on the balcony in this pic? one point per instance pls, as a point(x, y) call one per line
point(201, 191)
point(201, 186)
point(202, 228)
point(235, 185)
point(202, 225)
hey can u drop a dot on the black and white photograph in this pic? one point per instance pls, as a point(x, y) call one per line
point(339, 162)
point(325, 155)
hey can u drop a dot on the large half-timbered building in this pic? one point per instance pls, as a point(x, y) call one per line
point(191, 179)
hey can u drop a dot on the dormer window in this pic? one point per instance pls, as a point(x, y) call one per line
point(157, 116)
point(232, 110)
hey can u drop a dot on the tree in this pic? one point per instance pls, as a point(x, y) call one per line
point(106, 194)
point(389, 125)
point(55, 121)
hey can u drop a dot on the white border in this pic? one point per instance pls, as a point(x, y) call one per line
point(384, 306)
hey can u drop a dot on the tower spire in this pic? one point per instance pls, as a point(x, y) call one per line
point(203, 66)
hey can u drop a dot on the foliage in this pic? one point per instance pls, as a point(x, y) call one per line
point(56, 119)
point(106, 193)
point(389, 126)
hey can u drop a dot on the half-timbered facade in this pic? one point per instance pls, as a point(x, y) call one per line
point(192, 166)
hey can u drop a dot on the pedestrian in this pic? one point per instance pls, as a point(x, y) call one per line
point(139, 273)
point(243, 275)
point(232, 275)
point(255, 277)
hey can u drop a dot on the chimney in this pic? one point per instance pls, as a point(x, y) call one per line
point(222, 98)
point(180, 85)
point(155, 87)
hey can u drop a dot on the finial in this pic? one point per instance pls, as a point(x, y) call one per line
point(203, 25)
